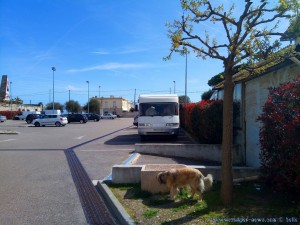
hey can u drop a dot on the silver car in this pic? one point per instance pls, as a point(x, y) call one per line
point(2, 118)
point(108, 116)
point(54, 120)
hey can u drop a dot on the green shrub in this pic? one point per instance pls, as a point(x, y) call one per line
point(280, 137)
point(204, 120)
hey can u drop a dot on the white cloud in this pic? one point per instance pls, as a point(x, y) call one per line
point(108, 66)
point(100, 53)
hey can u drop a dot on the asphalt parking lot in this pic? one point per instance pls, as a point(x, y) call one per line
point(37, 182)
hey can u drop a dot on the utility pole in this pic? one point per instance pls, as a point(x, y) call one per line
point(53, 69)
point(134, 99)
point(88, 96)
point(174, 86)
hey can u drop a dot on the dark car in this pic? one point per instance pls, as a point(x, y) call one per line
point(93, 116)
point(135, 120)
point(31, 117)
point(77, 118)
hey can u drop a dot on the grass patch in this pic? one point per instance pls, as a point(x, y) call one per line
point(150, 213)
point(253, 201)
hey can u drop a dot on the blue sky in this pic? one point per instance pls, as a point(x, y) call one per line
point(118, 45)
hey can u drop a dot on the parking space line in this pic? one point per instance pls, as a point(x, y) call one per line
point(80, 137)
point(7, 140)
point(106, 150)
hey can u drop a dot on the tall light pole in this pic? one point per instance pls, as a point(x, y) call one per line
point(184, 51)
point(174, 85)
point(88, 96)
point(10, 95)
point(100, 99)
point(53, 69)
point(185, 89)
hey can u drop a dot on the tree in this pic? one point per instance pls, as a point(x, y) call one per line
point(183, 101)
point(216, 79)
point(57, 106)
point(206, 95)
point(246, 40)
point(94, 106)
point(72, 106)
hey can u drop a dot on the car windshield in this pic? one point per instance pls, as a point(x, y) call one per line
point(159, 109)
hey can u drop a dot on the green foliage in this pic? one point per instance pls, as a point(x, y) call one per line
point(149, 213)
point(248, 33)
point(253, 201)
point(94, 106)
point(57, 106)
point(16, 100)
point(280, 135)
point(183, 101)
point(206, 95)
point(216, 79)
point(73, 106)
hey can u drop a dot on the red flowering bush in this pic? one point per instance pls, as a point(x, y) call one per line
point(9, 114)
point(204, 120)
point(185, 119)
point(280, 137)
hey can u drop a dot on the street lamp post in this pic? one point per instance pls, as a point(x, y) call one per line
point(185, 89)
point(10, 95)
point(53, 69)
point(88, 96)
point(174, 86)
point(100, 99)
point(184, 51)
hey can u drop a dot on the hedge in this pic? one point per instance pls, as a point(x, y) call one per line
point(280, 137)
point(204, 120)
point(9, 114)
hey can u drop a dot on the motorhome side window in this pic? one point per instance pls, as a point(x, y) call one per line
point(159, 109)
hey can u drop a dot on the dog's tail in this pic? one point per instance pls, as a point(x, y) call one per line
point(206, 183)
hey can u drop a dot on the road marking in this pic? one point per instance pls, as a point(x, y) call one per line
point(80, 137)
point(7, 140)
point(107, 150)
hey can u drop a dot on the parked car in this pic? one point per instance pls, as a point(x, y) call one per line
point(2, 118)
point(54, 119)
point(135, 120)
point(76, 117)
point(108, 116)
point(31, 117)
point(93, 116)
point(22, 115)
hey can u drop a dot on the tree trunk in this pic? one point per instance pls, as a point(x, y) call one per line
point(227, 139)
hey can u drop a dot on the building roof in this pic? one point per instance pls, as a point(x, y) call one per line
point(274, 62)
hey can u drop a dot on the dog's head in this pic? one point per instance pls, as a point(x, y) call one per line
point(162, 177)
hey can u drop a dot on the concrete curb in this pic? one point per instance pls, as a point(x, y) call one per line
point(114, 204)
point(206, 152)
point(124, 174)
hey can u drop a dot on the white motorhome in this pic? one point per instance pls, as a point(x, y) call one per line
point(51, 111)
point(158, 115)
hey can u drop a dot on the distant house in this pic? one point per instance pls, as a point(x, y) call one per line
point(251, 90)
point(115, 105)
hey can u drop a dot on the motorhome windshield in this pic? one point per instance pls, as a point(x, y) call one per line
point(159, 109)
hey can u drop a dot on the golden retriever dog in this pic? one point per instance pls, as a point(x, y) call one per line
point(179, 178)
